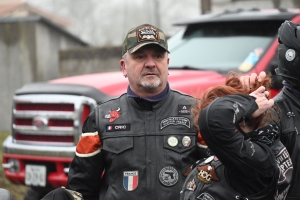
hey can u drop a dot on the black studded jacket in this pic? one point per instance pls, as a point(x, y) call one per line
point(252, 167)
point(290, 123)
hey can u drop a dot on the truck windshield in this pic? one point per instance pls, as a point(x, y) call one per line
point(222, 46)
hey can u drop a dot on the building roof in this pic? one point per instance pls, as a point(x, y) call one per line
point(21, 9)
point(21, 12)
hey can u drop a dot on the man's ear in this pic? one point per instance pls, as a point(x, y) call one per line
point(123, 67)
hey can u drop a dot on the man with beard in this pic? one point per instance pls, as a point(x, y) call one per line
point(140, 145)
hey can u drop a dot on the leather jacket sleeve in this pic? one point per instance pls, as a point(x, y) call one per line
point(87, 166)
point(218, 127)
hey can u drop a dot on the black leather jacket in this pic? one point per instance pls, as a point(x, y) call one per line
point(290, 123)
point(146, 154)
point(257, 168)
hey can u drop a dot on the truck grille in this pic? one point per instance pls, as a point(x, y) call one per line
point(51, 122)
point(47, 119)
point(45, 107)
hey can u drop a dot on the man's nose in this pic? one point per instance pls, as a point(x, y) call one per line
point(150, 62)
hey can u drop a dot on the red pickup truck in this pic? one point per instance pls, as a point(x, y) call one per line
point(47, 117)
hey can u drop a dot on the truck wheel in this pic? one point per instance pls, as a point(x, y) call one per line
point(36, 193)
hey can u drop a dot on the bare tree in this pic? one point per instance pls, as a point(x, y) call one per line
point(205, 6)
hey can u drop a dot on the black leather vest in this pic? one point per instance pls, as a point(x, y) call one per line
point(146, 153)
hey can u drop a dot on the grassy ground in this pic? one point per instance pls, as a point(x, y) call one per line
point(18, 191)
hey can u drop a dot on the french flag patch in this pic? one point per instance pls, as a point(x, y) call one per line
point(109, 128)
point(130, 180)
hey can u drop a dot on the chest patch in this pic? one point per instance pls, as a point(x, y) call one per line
point(284, 162)
point(113, 115)
point(168, 176)
point(184, 109)
point(191, 185)
point(207, 174)
point(130, 180)
point(205, 196)
point(181, 121)
point(118, 127)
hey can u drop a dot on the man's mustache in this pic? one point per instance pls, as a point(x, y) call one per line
point(154, 72)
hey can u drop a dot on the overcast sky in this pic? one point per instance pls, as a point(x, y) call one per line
point(105, 22)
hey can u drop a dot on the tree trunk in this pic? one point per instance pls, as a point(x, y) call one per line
point(205, 6)
point(296, 3)
point(276, 3)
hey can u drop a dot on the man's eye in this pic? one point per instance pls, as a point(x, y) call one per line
point(139, 57)
point(159, 56)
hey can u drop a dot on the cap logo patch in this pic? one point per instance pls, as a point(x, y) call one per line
point(130, 180)
point(205, 196)
point(168, 176)
point(182, 121)
point(113, 115)
point(290, 54)
point(147, 33)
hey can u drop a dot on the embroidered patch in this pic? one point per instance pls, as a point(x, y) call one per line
point(147, 33)
point(168, 176)
point(130, 180)
point(191, 185)
point(207, 174)
point(205, 196)
point(118, 127)
point(184, 109)
point(183, 121)
point(290, 54)
point(284, 162)
point(113, 115)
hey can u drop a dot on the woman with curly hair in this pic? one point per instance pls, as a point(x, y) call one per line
point(248, 162)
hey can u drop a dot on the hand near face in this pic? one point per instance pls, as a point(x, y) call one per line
point(262, 101)
point(248, 81)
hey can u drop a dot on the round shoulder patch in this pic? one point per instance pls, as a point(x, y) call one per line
point(290, 54)
point(168, 176)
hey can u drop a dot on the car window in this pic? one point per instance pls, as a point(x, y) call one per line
point(223, 46)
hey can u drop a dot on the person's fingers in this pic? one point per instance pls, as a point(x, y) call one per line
point(252, 80)
point(245, 81)
point(271, 102)
point(261, 76)
point(258, 92)
point(267, 93)
point(263, 105)
point(249, 81)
